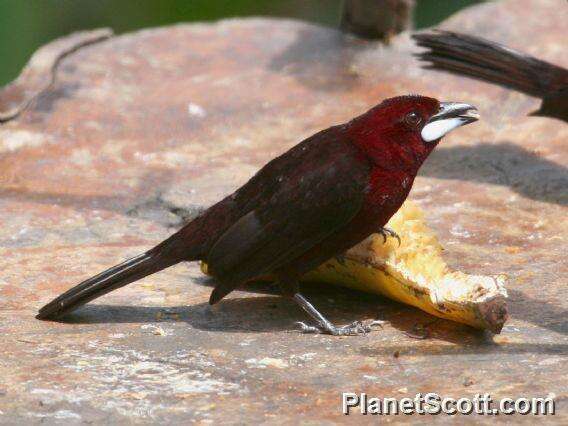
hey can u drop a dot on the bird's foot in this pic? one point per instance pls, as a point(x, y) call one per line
point(387, 232)
point(354, 329)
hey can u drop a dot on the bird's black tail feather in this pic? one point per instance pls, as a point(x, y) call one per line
point(482, 59)
point(118, 276)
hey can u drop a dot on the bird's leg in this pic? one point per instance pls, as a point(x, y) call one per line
point(323, 325)
point(387, 232)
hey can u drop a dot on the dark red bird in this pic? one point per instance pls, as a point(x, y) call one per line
point(314, 202)
point(485, 60)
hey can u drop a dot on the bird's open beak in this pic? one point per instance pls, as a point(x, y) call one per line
point(450, 116)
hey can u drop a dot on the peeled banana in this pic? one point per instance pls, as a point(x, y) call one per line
point(416, 274)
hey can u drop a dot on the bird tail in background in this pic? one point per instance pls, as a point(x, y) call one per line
point(482, 59)
point(118, 276)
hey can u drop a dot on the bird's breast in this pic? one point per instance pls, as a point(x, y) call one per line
point(386, 192)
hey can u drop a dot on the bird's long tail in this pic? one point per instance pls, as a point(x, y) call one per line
point(118, 276)
point(485, 60)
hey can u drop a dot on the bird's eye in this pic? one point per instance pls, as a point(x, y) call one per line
point(413, 118)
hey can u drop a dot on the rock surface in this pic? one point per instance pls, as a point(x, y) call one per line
point(141, 131)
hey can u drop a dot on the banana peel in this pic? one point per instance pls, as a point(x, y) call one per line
point(415, 273)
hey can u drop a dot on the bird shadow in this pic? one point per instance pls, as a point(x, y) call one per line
point(126, 205)
point(320, 60)
point(267, 312)
point(504, 163)
point(541, 313)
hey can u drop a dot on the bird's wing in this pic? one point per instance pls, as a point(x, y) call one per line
point(312, 200)
point(270, 177)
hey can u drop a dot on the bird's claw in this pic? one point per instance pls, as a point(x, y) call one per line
point(387, 232)
point(307, 329)
point(354, 329)
point(377, 323)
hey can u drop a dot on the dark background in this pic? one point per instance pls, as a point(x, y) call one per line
point(27, 24)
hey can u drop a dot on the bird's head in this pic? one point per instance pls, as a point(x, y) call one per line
point(401, 132)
